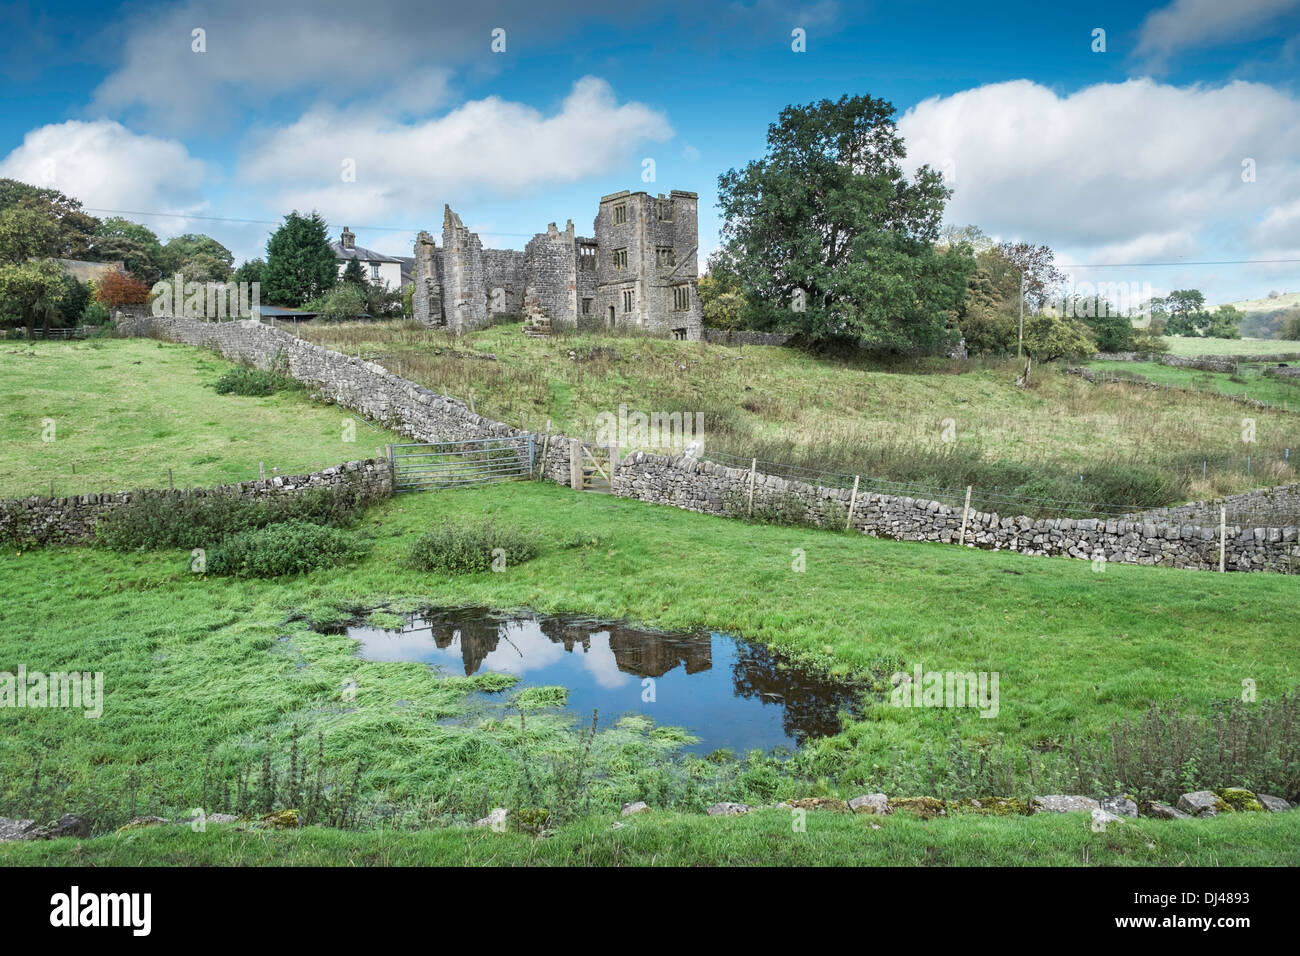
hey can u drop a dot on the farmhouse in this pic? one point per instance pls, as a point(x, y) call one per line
point(639, 270)
point(376, 266)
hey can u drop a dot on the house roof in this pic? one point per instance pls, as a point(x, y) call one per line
point(360, 252)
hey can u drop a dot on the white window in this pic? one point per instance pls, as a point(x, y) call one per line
point(374, 270)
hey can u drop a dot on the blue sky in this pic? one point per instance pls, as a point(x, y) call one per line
point(1131, 155)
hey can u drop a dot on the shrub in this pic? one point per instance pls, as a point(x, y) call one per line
point(293, 547)
point(173, 519)
point(251, 381)
point(468, 548)
point(343, 303)
point(121, 288)
point(94, 314)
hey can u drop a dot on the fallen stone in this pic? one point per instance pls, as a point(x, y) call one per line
point(927, 808)
point(69, 825)
point(874, 803)
point(1273, 804)
point(819, 803)
point(639, 807)
point(1102, 819)
point(728, 809)
point(1202, 803)
point(282, 820)
point(1161, 811)
point(496, 819)
point(1059, 803)
point(1240, 799)
point(1121, 805)
point(11, 829)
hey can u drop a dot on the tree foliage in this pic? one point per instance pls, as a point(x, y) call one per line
point(827, 236)
point(300, 262)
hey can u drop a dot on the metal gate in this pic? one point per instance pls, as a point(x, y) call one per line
point(450, 463)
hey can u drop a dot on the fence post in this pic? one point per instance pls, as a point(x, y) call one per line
point(575, 464)
point(853, 502)
point(546, 443)
point(753, 468)
point(532, 455)
point(613, 465)
point(1223, 538)
point(261, 471)
point(965, 513)
point(171, 485)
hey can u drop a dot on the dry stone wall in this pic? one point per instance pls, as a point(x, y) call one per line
point(72, 519)
point(703, 486)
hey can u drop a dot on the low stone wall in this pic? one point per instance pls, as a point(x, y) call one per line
point(744, 337)
point(1281, 503)
point(72, 519)
point(1102, 377)
point(709, 488)
point(1206, 363)
point(695, 485)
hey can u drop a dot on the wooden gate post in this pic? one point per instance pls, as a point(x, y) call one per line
point(853, 503)
point(575, 464)
point(753, 467)
point(613, 465)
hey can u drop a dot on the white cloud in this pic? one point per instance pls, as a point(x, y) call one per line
point(488, 146)
point(1187, 24)
point(107, 166)
point(1112, 163)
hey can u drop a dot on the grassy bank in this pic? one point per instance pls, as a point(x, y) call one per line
point(1253, 385)
point(932, 424)
point(125, 411)
point(201, 673)
point(666, 839)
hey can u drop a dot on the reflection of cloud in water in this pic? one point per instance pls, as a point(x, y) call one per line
point(601, 664)
point(728, 691)
point(522, 647)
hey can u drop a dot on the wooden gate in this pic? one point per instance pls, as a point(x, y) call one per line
point(592, 467)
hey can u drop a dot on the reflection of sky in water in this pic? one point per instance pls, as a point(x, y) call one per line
point(726, 692)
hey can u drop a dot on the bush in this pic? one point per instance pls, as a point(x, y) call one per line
point(251, 381)
point(174, 519)
point(94, 314)
point(343, 303)
point(468, 548)
point(293, 547)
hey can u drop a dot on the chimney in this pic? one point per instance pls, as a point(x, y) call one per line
point(348, 239)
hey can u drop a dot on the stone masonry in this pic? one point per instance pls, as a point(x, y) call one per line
point(639, 271)
point(697, 485)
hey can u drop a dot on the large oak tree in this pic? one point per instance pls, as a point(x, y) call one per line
point(828, 237)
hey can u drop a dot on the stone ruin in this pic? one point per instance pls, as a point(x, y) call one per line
point(639, 271)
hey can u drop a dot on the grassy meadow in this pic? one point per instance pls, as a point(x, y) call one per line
point(127, 410)
point(206, 677)
point(932, 424)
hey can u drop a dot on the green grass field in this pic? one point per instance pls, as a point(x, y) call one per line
point(201, 669)
point(127, 410)
point(670, 839)
point(1252, 384)
point(208, 677)
point(1193, 345)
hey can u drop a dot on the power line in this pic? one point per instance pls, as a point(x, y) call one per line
point(1190, 262)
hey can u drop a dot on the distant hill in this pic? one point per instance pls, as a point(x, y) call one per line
point(1284, 301)
point(1264, 317)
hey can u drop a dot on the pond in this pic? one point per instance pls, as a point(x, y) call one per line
point(726, 691)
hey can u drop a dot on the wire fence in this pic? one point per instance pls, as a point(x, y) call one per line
point(1251, 512)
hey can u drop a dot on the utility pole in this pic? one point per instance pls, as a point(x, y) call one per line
point(1020, 340)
